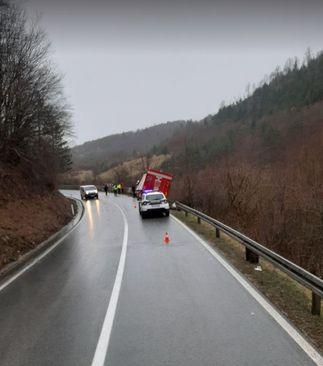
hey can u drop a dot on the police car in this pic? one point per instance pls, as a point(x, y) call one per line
point(155, 202)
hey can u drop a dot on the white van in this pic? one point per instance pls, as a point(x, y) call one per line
point(87, 192)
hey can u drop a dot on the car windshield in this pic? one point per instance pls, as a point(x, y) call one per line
point(90, 188)
point(153, 197)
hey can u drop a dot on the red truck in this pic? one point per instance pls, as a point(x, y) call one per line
point(154, 180)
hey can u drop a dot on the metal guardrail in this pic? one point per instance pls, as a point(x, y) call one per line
point(255, 250)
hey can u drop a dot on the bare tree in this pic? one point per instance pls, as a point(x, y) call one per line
point(34, 117)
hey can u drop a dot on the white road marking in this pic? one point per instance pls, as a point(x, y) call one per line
point(103, 342)
point(293, 333)
point(36, 260)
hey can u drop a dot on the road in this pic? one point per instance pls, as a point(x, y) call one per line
point(171, 304)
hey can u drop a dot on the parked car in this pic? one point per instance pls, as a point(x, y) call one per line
point(89, 192)
point(155, 202)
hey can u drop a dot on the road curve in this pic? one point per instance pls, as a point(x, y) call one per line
point(162, 305)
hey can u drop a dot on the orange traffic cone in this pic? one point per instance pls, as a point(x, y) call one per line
point(166, 238)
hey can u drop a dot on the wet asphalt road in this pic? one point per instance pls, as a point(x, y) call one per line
point(178, 305)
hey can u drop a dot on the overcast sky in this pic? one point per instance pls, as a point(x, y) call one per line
point(131, 64)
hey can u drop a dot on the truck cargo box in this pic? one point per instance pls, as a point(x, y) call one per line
point(154, 180)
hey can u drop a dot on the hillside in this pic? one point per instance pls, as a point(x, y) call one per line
point(103, 154)
point(130, 170)
point(126, 172)
point(29, 214)
point(282, 107)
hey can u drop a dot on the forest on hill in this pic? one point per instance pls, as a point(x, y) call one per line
point(105, 153)
point(34, 116)
point(272, 113)
point(34, 129)
point(257, 164)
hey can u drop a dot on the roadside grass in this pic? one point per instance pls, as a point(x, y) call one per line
point(292, 299)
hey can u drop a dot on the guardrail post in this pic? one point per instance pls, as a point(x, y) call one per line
point(198, 220)
point(316, 304)
point(251, 256)
point(217, 232)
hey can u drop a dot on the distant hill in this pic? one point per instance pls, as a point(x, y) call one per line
point(107, 152)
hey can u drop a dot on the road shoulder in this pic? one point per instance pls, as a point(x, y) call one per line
point(15, 269)
point(271, 283)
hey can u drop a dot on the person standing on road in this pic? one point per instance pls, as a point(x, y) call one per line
point(119, 188)
point(106, 188)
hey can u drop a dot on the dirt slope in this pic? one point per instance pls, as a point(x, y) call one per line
point(28, 215)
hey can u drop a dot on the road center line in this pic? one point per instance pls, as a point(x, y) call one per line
point(289, 328)
point(103, 342)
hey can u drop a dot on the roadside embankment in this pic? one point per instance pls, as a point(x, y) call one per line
point(29, 214)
